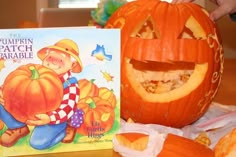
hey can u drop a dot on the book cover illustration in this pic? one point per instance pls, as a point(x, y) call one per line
point(59, 90)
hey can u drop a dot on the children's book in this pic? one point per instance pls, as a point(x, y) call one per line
point(59, 90)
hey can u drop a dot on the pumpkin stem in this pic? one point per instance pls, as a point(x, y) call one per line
point(92, 80)
point(91, 103)
point(35, 73)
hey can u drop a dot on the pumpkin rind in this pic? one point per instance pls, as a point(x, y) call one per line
point(168, 43)
point(177, 146)
point(136, 141)
point(24, 97)
point(226, 146)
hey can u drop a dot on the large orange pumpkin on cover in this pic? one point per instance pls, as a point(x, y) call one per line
point(31, 89)
point(171, 61)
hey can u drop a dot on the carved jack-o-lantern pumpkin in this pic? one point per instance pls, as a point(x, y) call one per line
point(171, 61)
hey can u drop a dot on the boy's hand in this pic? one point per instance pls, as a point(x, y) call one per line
point(1, 96)
point(42, 119)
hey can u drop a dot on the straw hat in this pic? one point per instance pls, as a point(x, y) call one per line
point(67, 46)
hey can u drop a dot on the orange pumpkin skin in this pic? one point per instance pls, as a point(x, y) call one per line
point(99, 116)
point(165, 44)
point(226, 145)
point(87, 88)
point(177, 146)
point(26, 96)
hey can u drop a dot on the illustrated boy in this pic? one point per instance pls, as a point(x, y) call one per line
point(52, 127)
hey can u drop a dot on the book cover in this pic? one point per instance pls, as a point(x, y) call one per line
point(59, 90)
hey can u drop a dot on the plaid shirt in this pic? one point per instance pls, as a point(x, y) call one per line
point(68, 104)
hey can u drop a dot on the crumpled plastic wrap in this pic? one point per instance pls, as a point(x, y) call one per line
point(215, 123)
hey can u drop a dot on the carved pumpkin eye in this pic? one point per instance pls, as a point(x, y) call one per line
point(146, 30)
point(192, 30)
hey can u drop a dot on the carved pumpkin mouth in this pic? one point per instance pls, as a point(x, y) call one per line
point(157, 81)
point(164, 82)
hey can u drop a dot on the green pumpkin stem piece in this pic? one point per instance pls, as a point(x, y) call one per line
point(91, 103)
point(35, 73)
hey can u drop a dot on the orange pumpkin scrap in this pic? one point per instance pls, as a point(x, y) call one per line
point(226, 146)
point(177, 146)
point(31, 89)
point(87, 88)
point(174, 145)
point(99, 116)
point(136, 141)
point(171, 61)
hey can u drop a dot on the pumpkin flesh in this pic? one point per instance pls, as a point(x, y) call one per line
point(158, 84)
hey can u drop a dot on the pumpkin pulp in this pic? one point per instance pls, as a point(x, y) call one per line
point(164, 82)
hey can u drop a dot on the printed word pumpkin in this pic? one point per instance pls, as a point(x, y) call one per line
point(171, 61)
point(31, 89)
point(99, 116)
